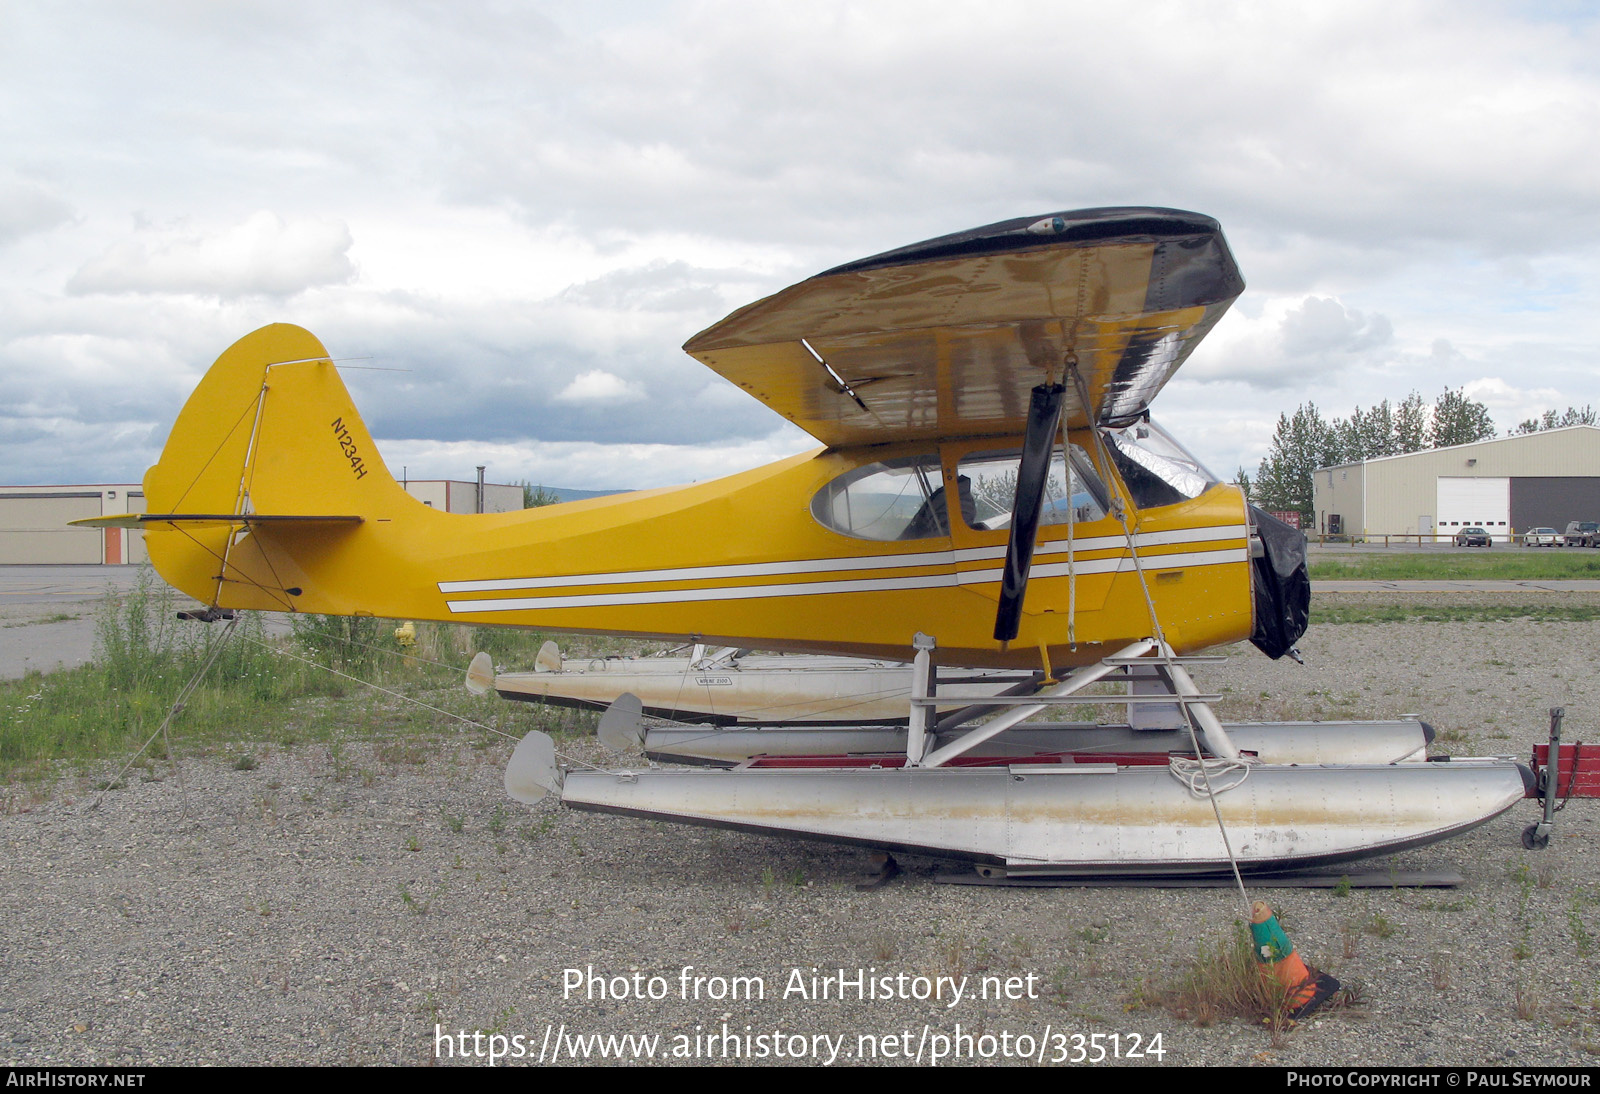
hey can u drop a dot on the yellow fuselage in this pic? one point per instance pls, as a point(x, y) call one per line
point(742, 560)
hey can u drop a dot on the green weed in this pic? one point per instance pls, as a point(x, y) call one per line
point(252, 694)
point(1226, 981)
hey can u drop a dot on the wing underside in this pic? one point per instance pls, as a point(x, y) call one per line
point(207, 520)
point(946, 338)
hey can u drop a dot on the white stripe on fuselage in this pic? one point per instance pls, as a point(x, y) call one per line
point(836, 565)
point(864, 585)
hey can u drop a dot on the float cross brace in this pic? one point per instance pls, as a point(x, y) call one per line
point(1146, 651)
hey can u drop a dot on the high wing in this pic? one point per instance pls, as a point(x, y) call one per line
point(946, 338)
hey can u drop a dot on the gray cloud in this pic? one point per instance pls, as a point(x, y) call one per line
point(263, 255)
point(27, 207)
point(504, 200)
point(657, 286)
point(1321, 327)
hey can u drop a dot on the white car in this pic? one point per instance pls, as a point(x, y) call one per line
point(1543, 537)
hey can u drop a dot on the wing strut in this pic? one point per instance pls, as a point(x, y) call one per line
point(1044, 418)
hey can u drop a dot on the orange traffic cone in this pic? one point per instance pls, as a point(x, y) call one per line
point(1308, 989)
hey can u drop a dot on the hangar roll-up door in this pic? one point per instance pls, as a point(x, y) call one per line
point(1475, 502)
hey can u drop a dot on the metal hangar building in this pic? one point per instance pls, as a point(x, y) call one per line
point(1507, 486)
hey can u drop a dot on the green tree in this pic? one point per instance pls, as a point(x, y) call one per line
point(1459, 420)
point(1300, 444)
point(535, 496)
point(1376, 432)
point(1304, 442)
point(1410, 425)
point(1584, 415)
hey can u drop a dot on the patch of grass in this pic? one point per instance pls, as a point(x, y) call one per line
point(417, 905)
point(546, 824)
point(56, 617)
point(1582, 940)
point(1349, 936)
point(1528, 1000)
point(1330, 610)
point(252, 695)
point(143, 658)
point(1491, 565)
point(1060, 989)
point(508, 646)
point(1441, 968)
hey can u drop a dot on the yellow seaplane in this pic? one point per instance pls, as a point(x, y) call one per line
point(990, 493)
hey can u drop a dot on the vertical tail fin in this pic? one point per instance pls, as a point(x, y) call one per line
point(270, 430)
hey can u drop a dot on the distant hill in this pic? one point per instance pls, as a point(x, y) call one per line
point(566, 494)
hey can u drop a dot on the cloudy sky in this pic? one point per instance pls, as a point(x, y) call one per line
point(530, 206)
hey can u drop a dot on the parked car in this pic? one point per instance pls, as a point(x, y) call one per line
point(1580, 532)
point(1472, 537)
point(1542, 537)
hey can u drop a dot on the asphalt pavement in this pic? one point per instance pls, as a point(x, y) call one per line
point(47, 614)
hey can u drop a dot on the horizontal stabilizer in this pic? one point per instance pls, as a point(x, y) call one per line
point(141, 520)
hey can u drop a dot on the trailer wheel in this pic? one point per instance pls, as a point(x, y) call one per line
point(1532, 840)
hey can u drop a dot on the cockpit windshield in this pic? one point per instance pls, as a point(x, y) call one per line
point(1156, 468)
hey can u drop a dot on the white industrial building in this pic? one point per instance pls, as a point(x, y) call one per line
point(455, 496)
point(1507, 486)
point(34, 528)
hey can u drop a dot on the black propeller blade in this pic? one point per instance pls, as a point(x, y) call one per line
point(1044, 418)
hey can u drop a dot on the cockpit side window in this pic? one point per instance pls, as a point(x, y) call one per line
point(988, 484)
point(898, 499)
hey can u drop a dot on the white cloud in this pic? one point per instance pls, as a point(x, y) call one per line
point(263, 255)
point(1288, 344)
point(1508, 404)
point(599, 386)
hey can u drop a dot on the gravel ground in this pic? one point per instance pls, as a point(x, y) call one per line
point(337, 907)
